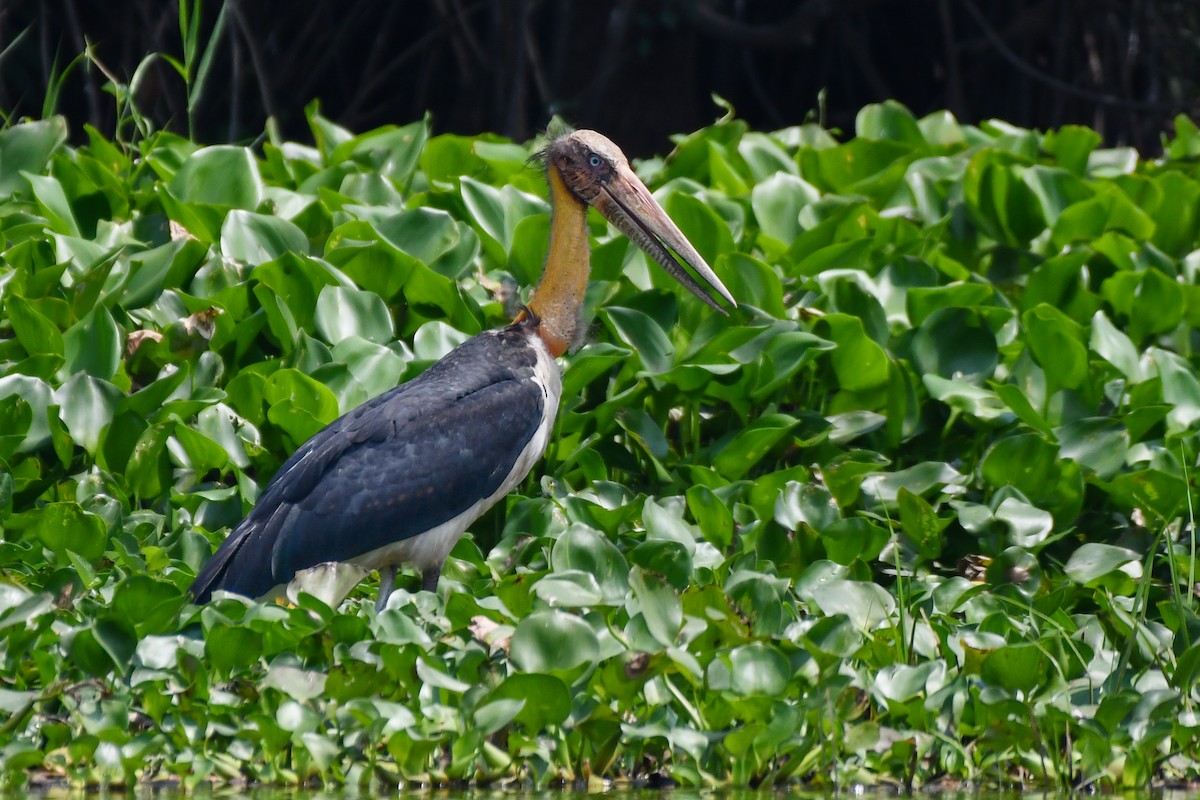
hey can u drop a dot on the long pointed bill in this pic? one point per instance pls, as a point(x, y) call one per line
point(627, 203)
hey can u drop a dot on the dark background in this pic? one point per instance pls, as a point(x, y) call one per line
point(637, 70)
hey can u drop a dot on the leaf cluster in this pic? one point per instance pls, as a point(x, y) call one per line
point(919, 511)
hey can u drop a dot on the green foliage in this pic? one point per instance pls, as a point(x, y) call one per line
point(919, 509)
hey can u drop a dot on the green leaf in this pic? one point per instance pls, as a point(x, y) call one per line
point(859, 363)
point(889, 120)
point(93, 345)
point(87, 405)
point(26, 148)
point(299, 404)
point(65, 527)
point(1071, 145)
point(956, 343)
point(752, 670)
point(53, 203)
point(1097, 444)
point(585, 549)
point(920, 524)
point(643, 335)
point(1096, 564)
point(545, 699)
point(221, 176)
point(342, 313)
point(553, 642)
point(866, 604)
point(1056, 342)
point(37, 334)
point(777, 202)
point(659, 605)
point(1000, 201)
point(257, 238)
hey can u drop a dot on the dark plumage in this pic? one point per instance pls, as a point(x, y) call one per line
point(390, 469)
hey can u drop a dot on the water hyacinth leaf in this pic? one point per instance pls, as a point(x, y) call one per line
point(545, 700)
point(1017, 667)
point(777, 202)
point(16, 415)
point(93, 345)
point(342, 313)
point(999, 199)
point(1155, 304)
point(87, 405)
point(1180, 389)
point(1115, 347)
point(53, 203)
point(569, 589)
point(581, 548)
point(1071, 145)
point(27, 147)
point(1176, 223)
point(231, 647)
point(1097, 564)
point(376, 367)
point(712, 515)
point(1025, 461)
point(853, 539)
point(221, 176)
point(37, 334)
point(805, 503)
point(1097, 444)
point(902, 682)
point(889, 120)
point(553, 642)
point(919, 478)
point(1057, 344)
point(752, 670)
point(835, 637)
point(955, 343)
point(643, 335)
point(65, 527)
point(752, 444)
point(258, 238)
point(423, 233)
point(493, 716)
point(1018, 403)
point(1108, 210)
point(659, 605)
point(859, 363)
point(148, 604)
point(394, 151)
point(496, 213)
point(920, 524)
point(867, 605)
point(1028, 526)
point(1159, 493)
point(669, 558)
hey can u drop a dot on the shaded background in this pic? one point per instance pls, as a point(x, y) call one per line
point(636, 69)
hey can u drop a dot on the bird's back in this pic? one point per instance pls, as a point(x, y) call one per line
point(395, 467)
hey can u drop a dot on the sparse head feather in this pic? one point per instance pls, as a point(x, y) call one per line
point(586, 160)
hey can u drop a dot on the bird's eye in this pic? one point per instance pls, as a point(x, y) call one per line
point(594, 161)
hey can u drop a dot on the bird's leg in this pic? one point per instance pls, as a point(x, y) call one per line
point(387, 582)
point(429, 578)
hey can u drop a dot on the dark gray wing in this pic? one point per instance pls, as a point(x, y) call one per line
point(392, 468)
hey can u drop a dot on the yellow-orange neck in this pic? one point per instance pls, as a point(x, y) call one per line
point(558, 299)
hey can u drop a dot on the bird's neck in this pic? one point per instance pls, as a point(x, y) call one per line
point(558, 299)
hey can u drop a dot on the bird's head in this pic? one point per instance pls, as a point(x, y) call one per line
point(597, 173)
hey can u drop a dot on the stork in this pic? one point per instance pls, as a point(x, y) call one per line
point(400, 478)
